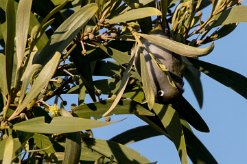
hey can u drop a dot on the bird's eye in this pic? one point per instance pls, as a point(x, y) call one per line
point(160, 93)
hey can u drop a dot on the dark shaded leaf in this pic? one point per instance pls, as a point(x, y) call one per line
point(229, 78)
point(135, 135)
point(187, 112)
point(121, 153)
point(192, 75)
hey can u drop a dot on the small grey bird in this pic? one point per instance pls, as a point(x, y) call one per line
point(162, 88)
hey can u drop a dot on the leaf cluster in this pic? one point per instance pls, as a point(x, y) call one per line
point(52, 48)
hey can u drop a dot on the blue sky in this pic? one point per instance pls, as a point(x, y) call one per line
point(224, 111)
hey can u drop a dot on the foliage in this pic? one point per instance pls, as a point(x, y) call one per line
point(50, 48)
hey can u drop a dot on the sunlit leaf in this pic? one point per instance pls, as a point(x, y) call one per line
point(58, 125)
point(66, 32)
point(3, 81)
point(8, 149)
point(121, 153)
point(135, 14)
point(176, 47)
point(234, 14)
point(31, 69)
point(229, 78)
point(148, 85)
point(44, 143)
point(22, 24)
point(197, 152)
point(40, 82)
point(123, 107)
point(171, 122)
point(124, 82)
point(72, 143)
point(120, 57)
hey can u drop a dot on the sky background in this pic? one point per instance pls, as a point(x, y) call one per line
point(224, 111)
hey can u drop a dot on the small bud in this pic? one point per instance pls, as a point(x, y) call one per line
point(91, 36)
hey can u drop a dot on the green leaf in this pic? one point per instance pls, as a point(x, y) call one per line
point(148, 85)
point(176, 47)
point(135, 14)
point(8, 153)
point(66, 32)
point(124, 82)
point(72, 143)
point(84, 68)
point(135, 134)
point(234, 14)
point(10, 40)
point(43, 143)
point(22, 24)
point(171, 122)
point(58, 125)
point(123, 107)
point(121, 153)
point(40, 82)
point(229, 78)
point(192, 75)
point(43, 39)
point(3, 81)
point(197, 152)
point(187, 112)
point(88, 154)
point(8, 149)
point(27, 76)
point(220, 33)
point(119, 56)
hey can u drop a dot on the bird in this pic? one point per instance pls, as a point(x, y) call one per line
point(166, 86)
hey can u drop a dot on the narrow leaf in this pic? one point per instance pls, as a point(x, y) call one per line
point(235, 14)
point(176, 47)
point(3, 81)
point(197, 152)
point(135, 135)
point(43, 142)
point(187, 112)
point(10, 40)
point(121, 153)
point(8, 153)
point(66, 32)
point(229, 78)
point(40, 82)
point(58, 125)
point(119, 56)
point(124, 82)
point(192, 75)
point(148, 85)
point(123, 107)
point(22, 25)
point(135, 14)
point(171, 122)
